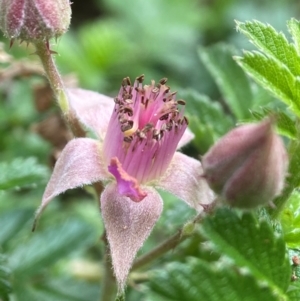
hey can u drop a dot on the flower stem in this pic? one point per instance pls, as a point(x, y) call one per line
point(182, 234)
point(164, 247)
point(58, 88)
point(45, 54)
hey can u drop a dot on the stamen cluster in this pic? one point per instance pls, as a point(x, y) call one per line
point(148, 122)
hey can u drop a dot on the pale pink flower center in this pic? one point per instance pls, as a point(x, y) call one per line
point(145, 128)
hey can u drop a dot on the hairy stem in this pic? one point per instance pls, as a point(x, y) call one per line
point(57, 85)
point(182, 234)
point(45, 54)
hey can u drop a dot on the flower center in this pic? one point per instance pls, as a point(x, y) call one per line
point(145, 128)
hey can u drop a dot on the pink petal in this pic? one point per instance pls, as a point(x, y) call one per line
point(187, 137)
point(127, 185)
point(92, 109)
point(79, 164)
point(128, 224)
point(184, 179)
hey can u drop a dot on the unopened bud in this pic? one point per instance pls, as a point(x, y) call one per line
point(34, 20)
point(247, 166)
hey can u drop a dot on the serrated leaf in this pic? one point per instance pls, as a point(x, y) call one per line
point(285, 125)
point(234, 85)
point(21, 172)
point(44, 248)
point(272, 43)
point(12, 221)
point(199, 280)
point(273, 76)
point(277, 66)
point(294, 29)
point(251, 244)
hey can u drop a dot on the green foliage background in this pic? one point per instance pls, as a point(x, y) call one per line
point(233, 255)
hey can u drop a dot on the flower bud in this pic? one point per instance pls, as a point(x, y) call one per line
point(34, 20)
point(247, 166)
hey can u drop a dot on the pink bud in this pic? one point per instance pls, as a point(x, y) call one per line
point(34, 20)
point(247, 166)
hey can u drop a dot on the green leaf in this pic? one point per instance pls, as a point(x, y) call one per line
point(250, 244)
point(207, 119)
point(58, 289)
point(12, 221)
point(294, 29)
point(21, 172)
point(273, 76)
point(290, 220)
point(294, 288)
point(5, 286)
point(198, 280)
point(234, 85)
point(285, 125)
point(277, 66)
point(44, 248)
point(274, 44)
point(294, 292)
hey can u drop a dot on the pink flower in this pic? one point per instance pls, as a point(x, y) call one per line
point(138, 135)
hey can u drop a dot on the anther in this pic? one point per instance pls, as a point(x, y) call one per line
point(185, 120)
point(127, 110)
point(164, 117)
point(163, 81)
point(181, 102)
point(128, 81)
point(147, 127)
point(140, 78)
point(126, 127)
point(128, 139)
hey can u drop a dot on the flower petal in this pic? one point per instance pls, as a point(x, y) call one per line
point(187, 137)
point(79, 164)
point(92, 109)
point(127, 185)
point(184, 179)
point(127, 224)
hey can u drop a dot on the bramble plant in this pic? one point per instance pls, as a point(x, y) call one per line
point(235, 237)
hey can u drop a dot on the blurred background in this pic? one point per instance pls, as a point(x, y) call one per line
point(190, 42)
